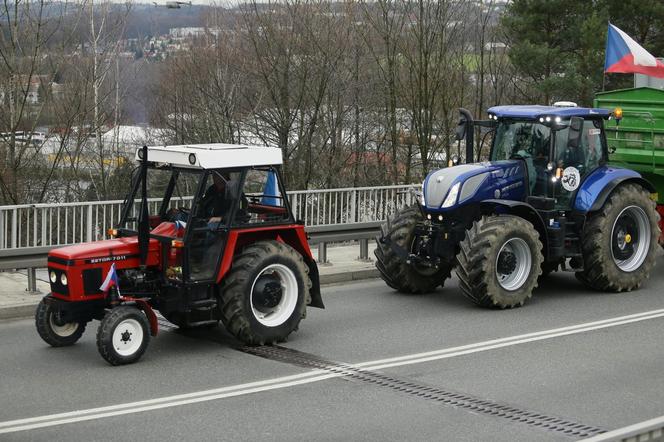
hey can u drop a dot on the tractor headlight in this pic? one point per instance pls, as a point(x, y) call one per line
point(53, 277)
point(451, 196)
point(63, 279)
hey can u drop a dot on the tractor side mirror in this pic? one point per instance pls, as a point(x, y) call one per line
point(575, 128)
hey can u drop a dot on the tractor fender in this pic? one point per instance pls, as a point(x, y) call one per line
point(293, 235)
point(520, 209)
point(142, 304)
point(597, 187)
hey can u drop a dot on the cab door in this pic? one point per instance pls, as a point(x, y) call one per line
point(209, 223)
point(577, 152)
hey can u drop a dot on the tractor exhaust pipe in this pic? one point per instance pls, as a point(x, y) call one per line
point(466, 129)
point(143, 216)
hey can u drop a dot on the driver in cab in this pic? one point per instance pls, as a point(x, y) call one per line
point(215, 205)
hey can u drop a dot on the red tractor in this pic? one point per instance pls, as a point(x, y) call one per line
point(233, 253)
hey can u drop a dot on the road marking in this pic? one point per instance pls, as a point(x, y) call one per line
point(311, 377)
point(509, 341)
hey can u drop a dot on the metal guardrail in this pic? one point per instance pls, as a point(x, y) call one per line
point(28, 232)
point(651, 430)
point(42, 225)
point(32, 258)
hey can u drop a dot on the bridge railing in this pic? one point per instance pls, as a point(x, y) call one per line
point(49, 225)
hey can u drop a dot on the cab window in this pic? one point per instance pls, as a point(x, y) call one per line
point(262, 201)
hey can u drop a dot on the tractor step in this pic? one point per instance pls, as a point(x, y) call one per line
point(203, 303)
point(202, 323)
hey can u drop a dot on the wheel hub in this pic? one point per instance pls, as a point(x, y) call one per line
point(126, 336)
point(506, 262)
point(625, 237)
point(267, 293)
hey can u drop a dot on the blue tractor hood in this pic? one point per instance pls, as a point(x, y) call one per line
point(469, 183)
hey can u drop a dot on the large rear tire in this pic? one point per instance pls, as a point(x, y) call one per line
point(265, 295)
point(620, 241)
point(53, 330)
point(393, 269)
point(499, 261)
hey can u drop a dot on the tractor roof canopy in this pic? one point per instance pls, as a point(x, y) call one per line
point(534, 112)
point(213, 156)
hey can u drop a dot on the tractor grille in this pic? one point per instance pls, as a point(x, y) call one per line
point(92, 281)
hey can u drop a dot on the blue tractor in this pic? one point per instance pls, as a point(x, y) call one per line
point(546, 199)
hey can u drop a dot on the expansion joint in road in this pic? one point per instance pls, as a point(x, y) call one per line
point(448, 397)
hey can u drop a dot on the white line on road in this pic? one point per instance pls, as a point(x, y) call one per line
point(310, 377)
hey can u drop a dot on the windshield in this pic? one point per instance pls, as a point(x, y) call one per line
point(166, 188)
point(520, 139)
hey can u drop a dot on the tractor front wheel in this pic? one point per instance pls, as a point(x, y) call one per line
point(123, 335)
point(265, 294)
point(394, 270)
point(620, 241)
point(499, 261)
point(53, 330)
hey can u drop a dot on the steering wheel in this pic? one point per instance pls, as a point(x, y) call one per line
point(172, 214)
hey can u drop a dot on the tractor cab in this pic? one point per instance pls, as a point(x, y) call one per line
point(560, 146)
point(206, 233)
point(196, 206)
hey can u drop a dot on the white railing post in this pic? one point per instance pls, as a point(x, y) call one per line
point(14, 227)
point(89, 222)
point(3, 241)
point(43, 226)
point(353, 201)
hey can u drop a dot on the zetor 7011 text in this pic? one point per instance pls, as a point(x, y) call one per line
point(231, 252)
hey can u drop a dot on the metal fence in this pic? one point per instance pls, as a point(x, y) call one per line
point(40, 225)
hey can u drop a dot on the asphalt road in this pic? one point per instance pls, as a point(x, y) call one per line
point(582, 367)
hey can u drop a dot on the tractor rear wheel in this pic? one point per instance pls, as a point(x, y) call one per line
point(265, 294)
point(53, 330)
point(123, 335)
point(394, 270)
point(620, 241)
point(499, 261)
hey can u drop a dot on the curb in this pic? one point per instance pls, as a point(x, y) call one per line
point(20, 311)
point(27, 310)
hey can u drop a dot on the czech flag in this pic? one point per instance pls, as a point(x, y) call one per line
point(624, 55)
point(110, 281)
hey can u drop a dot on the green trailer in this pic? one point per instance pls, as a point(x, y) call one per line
point(637, 142)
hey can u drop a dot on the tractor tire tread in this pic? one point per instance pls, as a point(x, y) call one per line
point(473, 269)
point(234, 286)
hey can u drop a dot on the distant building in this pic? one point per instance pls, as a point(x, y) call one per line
point(192, 32)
